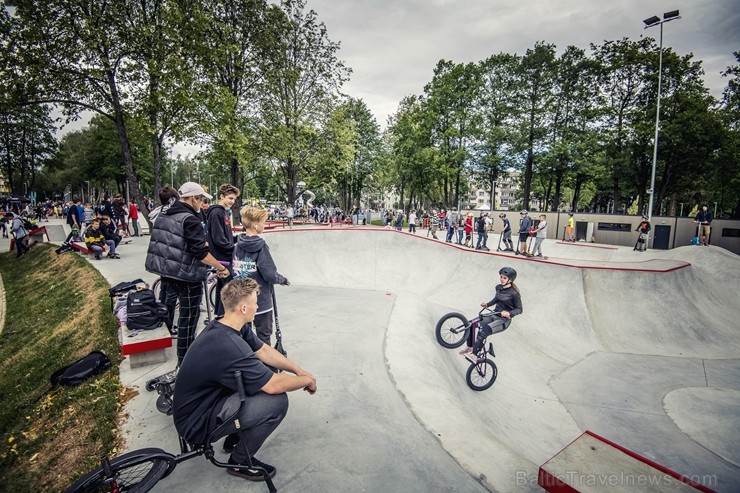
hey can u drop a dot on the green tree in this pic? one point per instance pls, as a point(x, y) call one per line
point(534, 95)
point(727, 162)
point(450, 98)
point(231, 44)
point(498, 111)
point(82, 58)
point(301, 80)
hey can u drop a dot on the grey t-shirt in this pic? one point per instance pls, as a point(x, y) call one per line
point(542, 229)
point(206, 378)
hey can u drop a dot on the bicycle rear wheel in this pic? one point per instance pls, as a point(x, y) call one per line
point(452, 330)
point(481, 375)
point(136, 471)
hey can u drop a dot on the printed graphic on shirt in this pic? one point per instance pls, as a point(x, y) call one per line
point(244, 268)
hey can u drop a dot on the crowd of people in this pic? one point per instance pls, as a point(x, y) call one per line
point(461, 228)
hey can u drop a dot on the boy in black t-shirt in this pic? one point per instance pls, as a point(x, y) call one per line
point(206, 389)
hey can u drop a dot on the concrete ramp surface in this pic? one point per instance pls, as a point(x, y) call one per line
point(641, 348)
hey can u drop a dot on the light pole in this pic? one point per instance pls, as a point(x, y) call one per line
point(656, 21)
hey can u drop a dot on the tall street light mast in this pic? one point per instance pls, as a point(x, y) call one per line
point(651, 22)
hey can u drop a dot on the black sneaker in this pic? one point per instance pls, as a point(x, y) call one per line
point(250, 473)
point(230, 442)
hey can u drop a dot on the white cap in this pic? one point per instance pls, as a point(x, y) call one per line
point(191, 189)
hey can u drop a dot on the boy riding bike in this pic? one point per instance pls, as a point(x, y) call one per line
point(508, 304)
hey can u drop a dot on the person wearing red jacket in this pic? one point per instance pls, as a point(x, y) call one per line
point(133, 215)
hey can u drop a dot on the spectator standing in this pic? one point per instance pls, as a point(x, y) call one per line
point(252, 258)
point(643, 229)
point(133, 214)
point(4, 224)
point(412, 221)
point(179, 254)
point(119, 213)
point(433, 224)
point(399, 220)
point(525, 224)
point(220, 236)
point(88, 214)
point(452, 220)
point(106, 207)
point(20, 234)
point(75, 215)
point(571, 227)
point(469, 230)
point(488, 229)
point(290, 212)
point(704, 218)
point(506, 232)
point(540, 235)
point(167, 197)
point(480, 229)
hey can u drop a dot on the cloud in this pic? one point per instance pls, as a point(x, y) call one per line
point(393, 46)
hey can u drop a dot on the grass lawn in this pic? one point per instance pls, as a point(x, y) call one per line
point(57, 310)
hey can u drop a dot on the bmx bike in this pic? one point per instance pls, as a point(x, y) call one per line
point(140, 470)
point(452, 330)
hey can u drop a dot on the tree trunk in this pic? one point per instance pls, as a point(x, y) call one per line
point(126, 147)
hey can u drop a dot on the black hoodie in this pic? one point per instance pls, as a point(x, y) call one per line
point(252, 259)
point(219, 235)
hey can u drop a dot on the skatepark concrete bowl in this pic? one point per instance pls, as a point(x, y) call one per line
point(641, 348)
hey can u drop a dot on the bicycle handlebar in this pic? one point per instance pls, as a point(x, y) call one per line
point(240, 386)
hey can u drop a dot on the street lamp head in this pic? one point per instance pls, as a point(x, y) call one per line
point(651, 21)
point(670, 15)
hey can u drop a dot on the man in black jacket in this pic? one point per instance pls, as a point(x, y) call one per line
point(219, 235)
point(179, 254)
point(109, 229)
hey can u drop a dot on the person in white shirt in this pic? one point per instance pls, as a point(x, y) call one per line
point(412, 221)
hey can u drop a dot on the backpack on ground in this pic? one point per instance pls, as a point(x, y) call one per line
point(86, 367)
point(143, 311)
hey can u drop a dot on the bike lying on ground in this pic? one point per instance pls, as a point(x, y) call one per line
point(140, 470)
point(452, 330)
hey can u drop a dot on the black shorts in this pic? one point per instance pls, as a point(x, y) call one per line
point(523, 237)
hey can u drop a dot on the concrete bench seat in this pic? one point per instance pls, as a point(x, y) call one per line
point(145, 347)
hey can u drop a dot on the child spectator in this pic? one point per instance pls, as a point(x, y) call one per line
point(97, 242)
point(88, 214)
point(540, 235)
point(219, 235)
point(252, 259)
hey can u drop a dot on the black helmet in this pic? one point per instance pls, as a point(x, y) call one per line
point(502, 215)
point(508, 272)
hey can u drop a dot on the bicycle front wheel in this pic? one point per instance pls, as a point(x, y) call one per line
point(452, 330)
point(136, 471)
point(212, 296)
point(481, 375)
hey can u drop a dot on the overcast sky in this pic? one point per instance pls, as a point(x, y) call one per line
point(393, 46)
